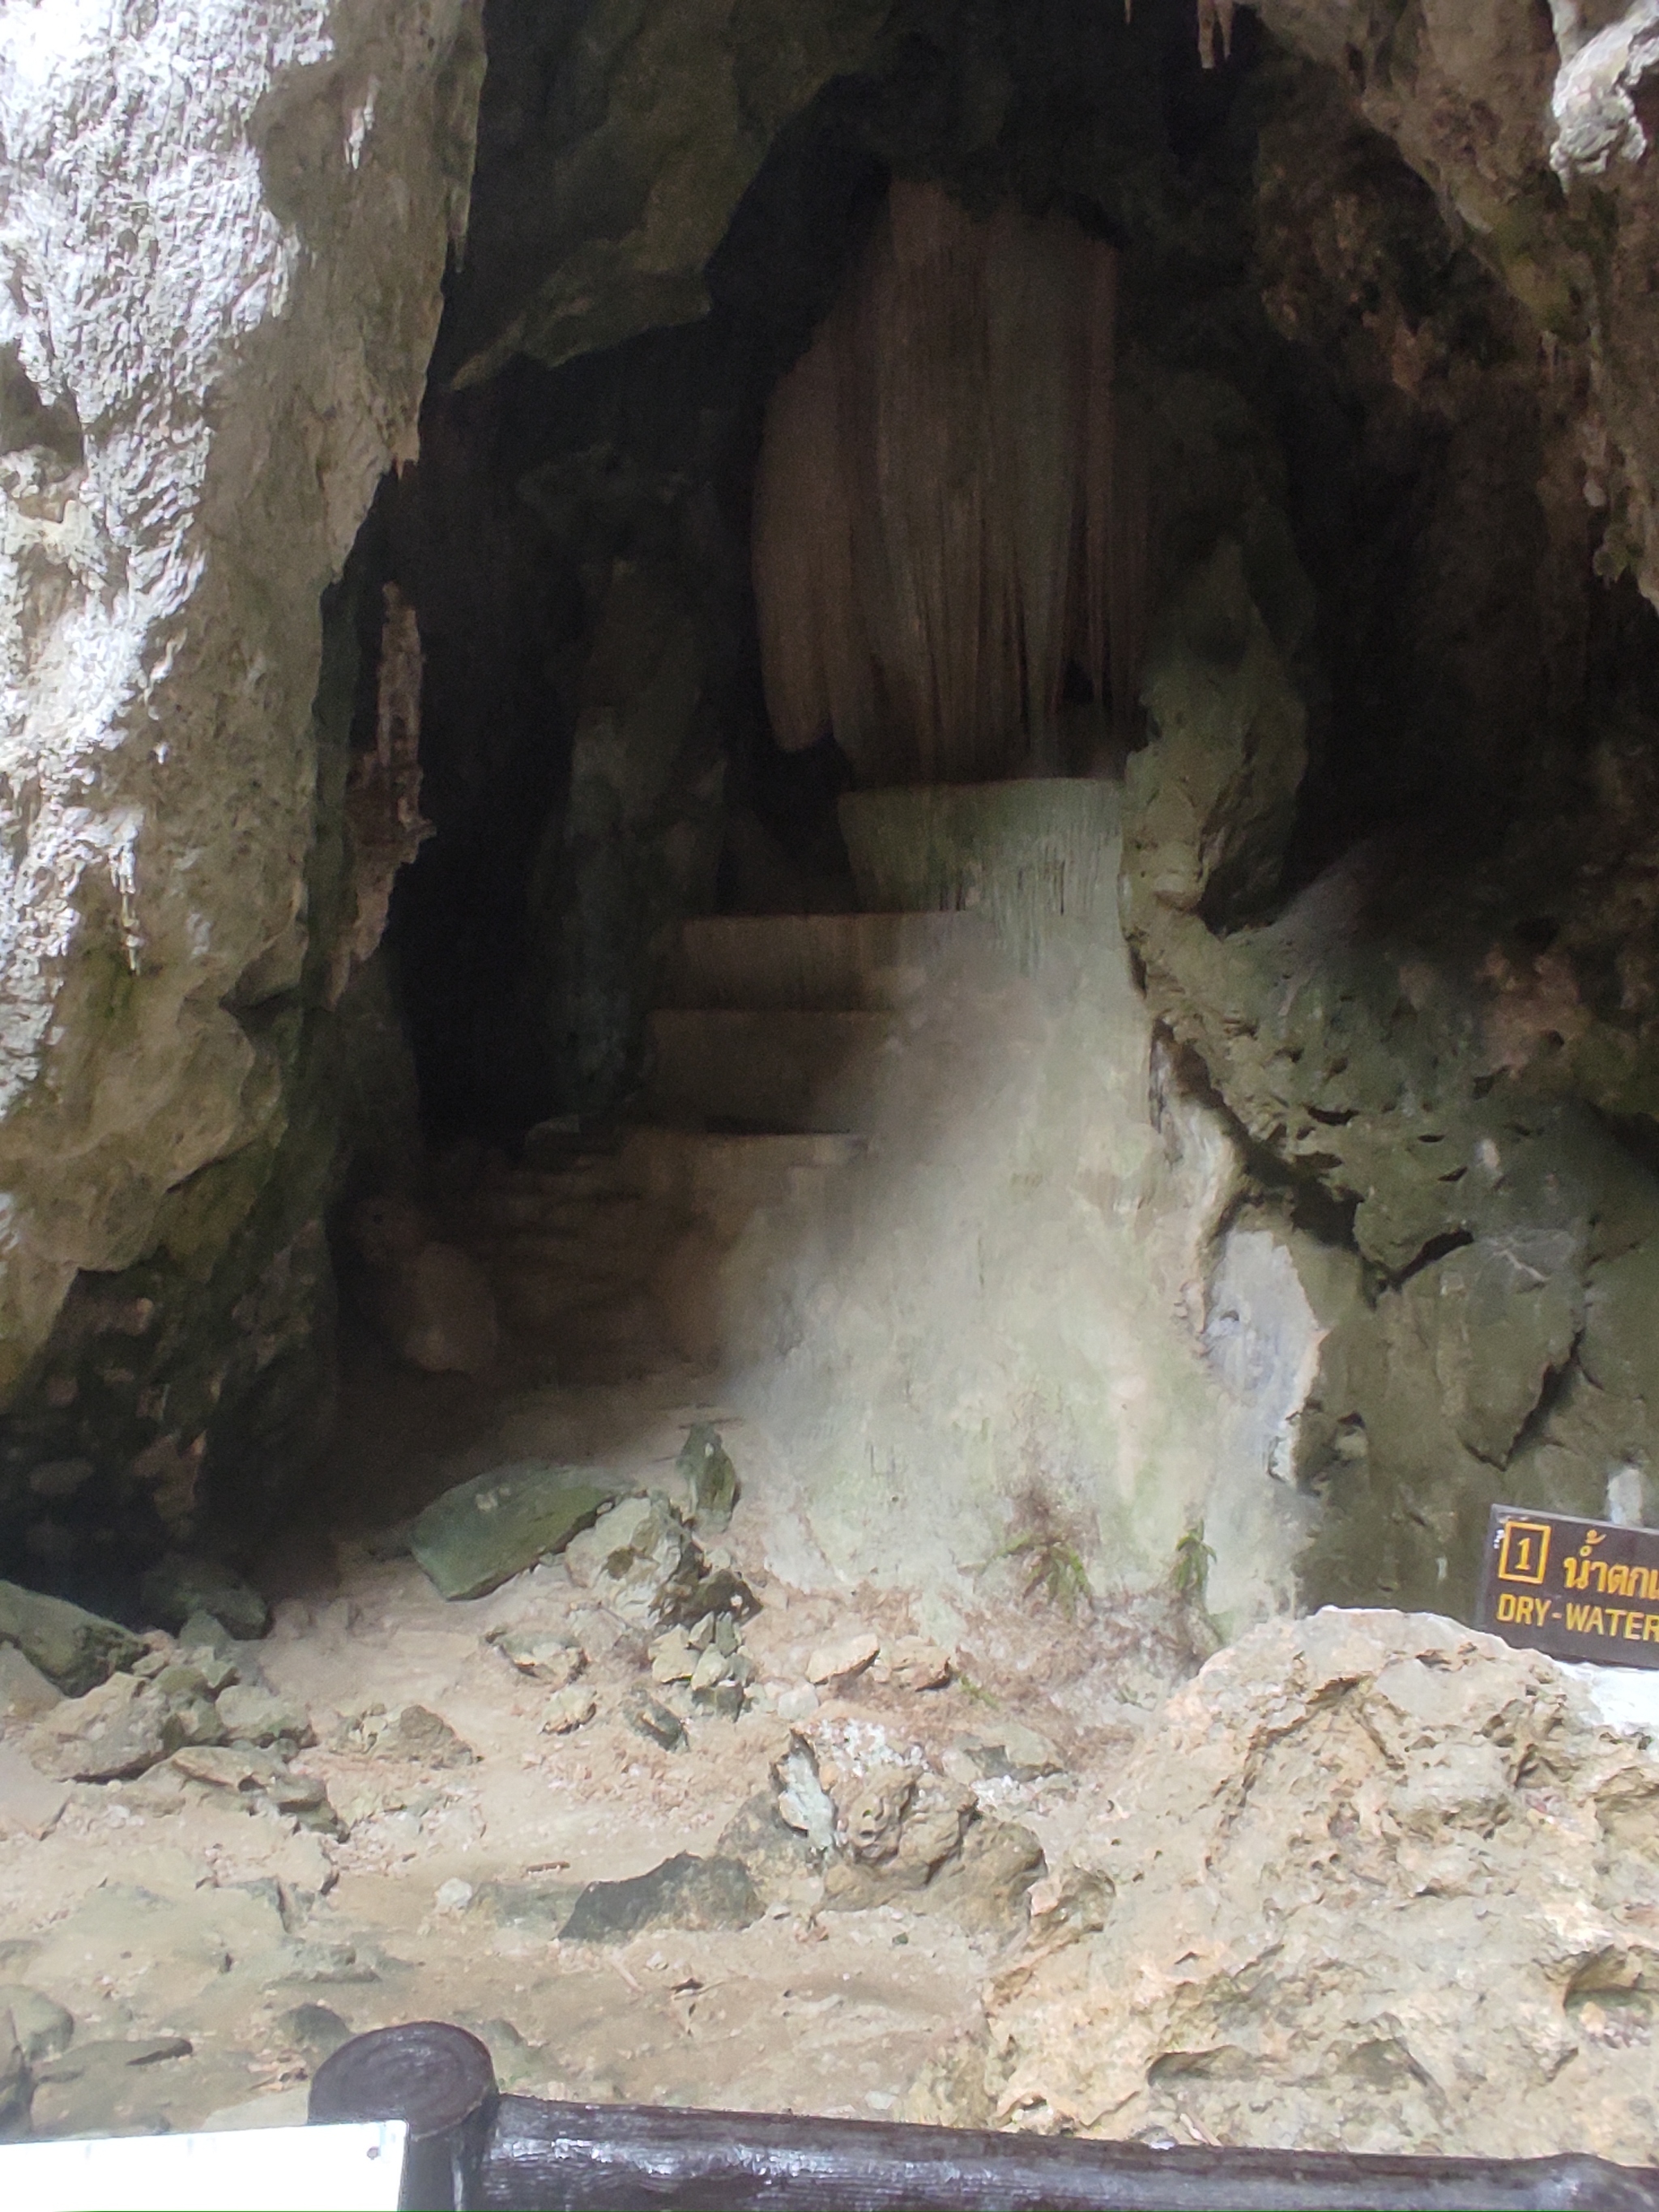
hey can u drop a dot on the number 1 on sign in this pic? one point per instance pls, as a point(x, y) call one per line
point(1523, 1551)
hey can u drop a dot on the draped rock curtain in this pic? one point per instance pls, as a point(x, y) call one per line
point(948, 512)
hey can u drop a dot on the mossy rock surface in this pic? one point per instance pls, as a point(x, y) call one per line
point(73, 1648)
point(475, 1537)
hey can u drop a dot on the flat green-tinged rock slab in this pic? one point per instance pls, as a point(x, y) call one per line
point(478, 1534)
point(683, 1892)
point(73, 1648)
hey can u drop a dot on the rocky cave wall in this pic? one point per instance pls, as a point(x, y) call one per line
point(1397, 346)
point(224, 239)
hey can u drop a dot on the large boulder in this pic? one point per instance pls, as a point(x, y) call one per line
point(1376, 1883)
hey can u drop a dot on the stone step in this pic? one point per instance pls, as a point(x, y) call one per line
point(583, 1280)
point(509, 1212)
point(777, 1070)
point(817, 962)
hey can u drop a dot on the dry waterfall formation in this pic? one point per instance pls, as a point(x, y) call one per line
point(829, 1022)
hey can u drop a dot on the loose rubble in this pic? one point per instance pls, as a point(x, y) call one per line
point(383, 1808)
point(661, 1828)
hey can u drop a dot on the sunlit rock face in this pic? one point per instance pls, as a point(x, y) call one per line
point(224, 233)
point(1375, 1883)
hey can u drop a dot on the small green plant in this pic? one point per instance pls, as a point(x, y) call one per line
point(1189, 1579)
point(1194, 1559)
point(974, 1691)
point(1058, 1574)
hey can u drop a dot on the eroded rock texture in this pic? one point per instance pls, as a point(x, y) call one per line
point(1377, 1884)
point(225, 229)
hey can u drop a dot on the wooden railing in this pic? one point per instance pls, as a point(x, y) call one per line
point(471, 2147)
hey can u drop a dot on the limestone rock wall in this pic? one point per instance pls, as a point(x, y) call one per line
point(223, 233)
point(1527, 123)
point(615, 141)
point(1375, 1883)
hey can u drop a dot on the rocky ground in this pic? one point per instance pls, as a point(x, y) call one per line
point(657, 1825)
point(662, 1829)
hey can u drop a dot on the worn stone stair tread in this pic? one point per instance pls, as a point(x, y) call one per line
point(535, 1237)
point(781, 1070)
point(816, 963)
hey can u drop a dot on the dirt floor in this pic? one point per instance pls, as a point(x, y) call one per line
point(212, 1944)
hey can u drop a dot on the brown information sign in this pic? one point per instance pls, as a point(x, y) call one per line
point(1583, 1589)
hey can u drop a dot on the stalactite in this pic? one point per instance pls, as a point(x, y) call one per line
point(1215, 16)
point(946, 513)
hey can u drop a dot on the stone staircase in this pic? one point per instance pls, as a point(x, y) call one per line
point(781, 1033)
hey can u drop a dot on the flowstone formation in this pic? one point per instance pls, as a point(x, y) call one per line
point(1374, 1884)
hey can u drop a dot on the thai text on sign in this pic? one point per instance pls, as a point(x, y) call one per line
point(1581, 1589)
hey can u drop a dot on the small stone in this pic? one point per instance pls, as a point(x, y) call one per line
point(568, 1709)
point(420, 1734)
point(470, 1539)
point(337, 1964)
point(985, 1886)
point(16, 2083)
point(304, 1798)
point(25, 1692)
point(29, 1804)
point(204, 1631)
point(227, 1766)
point(544, 1657)
point(178, 1587)
point(802, 1803)
point(216, 1674)
point(195, 1720)
point(121, 1727)
point(841, 1660)
point(178, 1679)
point(794, 1701)
point(710, 1669)
point(1008, 1749)
point(701, 1635)
point(697, 1588)
point(315, 2029)
point(659, 1723)
point(916, 1662)
point(632, 1556)
point(683, 1892)
point(710, 1477)
point(73, 1648)
point(674, 1657)
point(541, 1907)
point(108, 2054)
point(44, 2028)
point(724, 1699)
point(452, 1896)
point(251, 1715)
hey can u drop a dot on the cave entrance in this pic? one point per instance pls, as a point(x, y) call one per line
point(784, 666)
point(604, 701)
